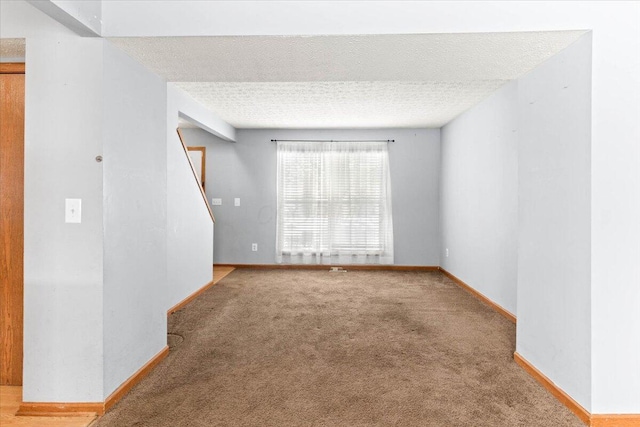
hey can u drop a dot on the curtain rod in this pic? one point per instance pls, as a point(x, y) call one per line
point(333, 140)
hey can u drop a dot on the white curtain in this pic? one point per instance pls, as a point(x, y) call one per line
point(334, 203)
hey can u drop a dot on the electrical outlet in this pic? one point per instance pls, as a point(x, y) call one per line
point(446, 252)
point(254, 247)
point(236, 201)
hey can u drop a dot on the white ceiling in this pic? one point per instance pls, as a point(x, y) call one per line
point(350, 104)
point(421, 80)
point(12, 49)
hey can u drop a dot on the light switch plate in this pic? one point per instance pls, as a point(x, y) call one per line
point(236, 201)
point(73, 211)
point(216, 202)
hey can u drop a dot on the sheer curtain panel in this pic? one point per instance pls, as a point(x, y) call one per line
point(334, 203)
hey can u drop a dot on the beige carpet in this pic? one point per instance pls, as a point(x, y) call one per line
point(313, 348)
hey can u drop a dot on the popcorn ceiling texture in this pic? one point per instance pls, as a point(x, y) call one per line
point(339, 104)
point(419, 57)
point(418, 80)
point(12, 48)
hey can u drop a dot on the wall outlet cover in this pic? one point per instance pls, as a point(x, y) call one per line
point(73, 211)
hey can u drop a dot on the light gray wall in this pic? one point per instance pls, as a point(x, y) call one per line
point(20, 19)
point(87, 12)
point(554, 215)
point(479, 197)
point(63, 263)
point(135, 216)
point(83, 17)
point(189, 225)
point(615, 204)
point(247, 169)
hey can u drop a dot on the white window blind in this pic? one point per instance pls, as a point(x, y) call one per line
point(334, 203)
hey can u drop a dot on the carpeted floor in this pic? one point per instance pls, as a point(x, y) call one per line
point(313, 348)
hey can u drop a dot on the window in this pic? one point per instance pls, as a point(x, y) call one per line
point(334, 203)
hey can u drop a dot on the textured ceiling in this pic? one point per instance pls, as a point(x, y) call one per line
point(12, 48)
point(422, 80)
point(340, 104)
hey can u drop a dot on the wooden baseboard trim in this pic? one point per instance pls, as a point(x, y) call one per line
point(135, 379)
point(73, 409)
point(592, 420)
point(556, 391)
point(352, 267)
point(506, 313)
point(615, 420)
point(60, 409)
point(190, 298)
point(12, 68)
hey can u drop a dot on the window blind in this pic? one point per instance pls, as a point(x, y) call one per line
point(334, 203)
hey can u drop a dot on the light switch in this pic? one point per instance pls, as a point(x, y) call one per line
point(73, 211)
point(216, 202)
point(236, 201)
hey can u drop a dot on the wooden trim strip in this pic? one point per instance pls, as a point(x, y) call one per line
point(615, 420)
point(190, 298)
point(12, 68)
point(74, 409)
point(506, 313)
point(59, 409)
point(12, 155)
point(220, 273)
point(204, 196)
point(352, 267)
point(135, 379)
point(556, 391)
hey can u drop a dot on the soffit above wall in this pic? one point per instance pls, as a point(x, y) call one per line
point(413, 57)
point(186, 124)
point(422, 80)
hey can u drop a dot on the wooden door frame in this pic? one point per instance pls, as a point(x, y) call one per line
point(13, 312)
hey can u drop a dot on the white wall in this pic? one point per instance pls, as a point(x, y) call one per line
point(554, 232)
point(247, 169)
point(82, 17)
point(189, 226)
point(63, 263)
point(88, 12)
point(20, 20)
point(479, 197)
point(135, 216)
point(155, 18)
point(96, 292)
point(615, 204)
